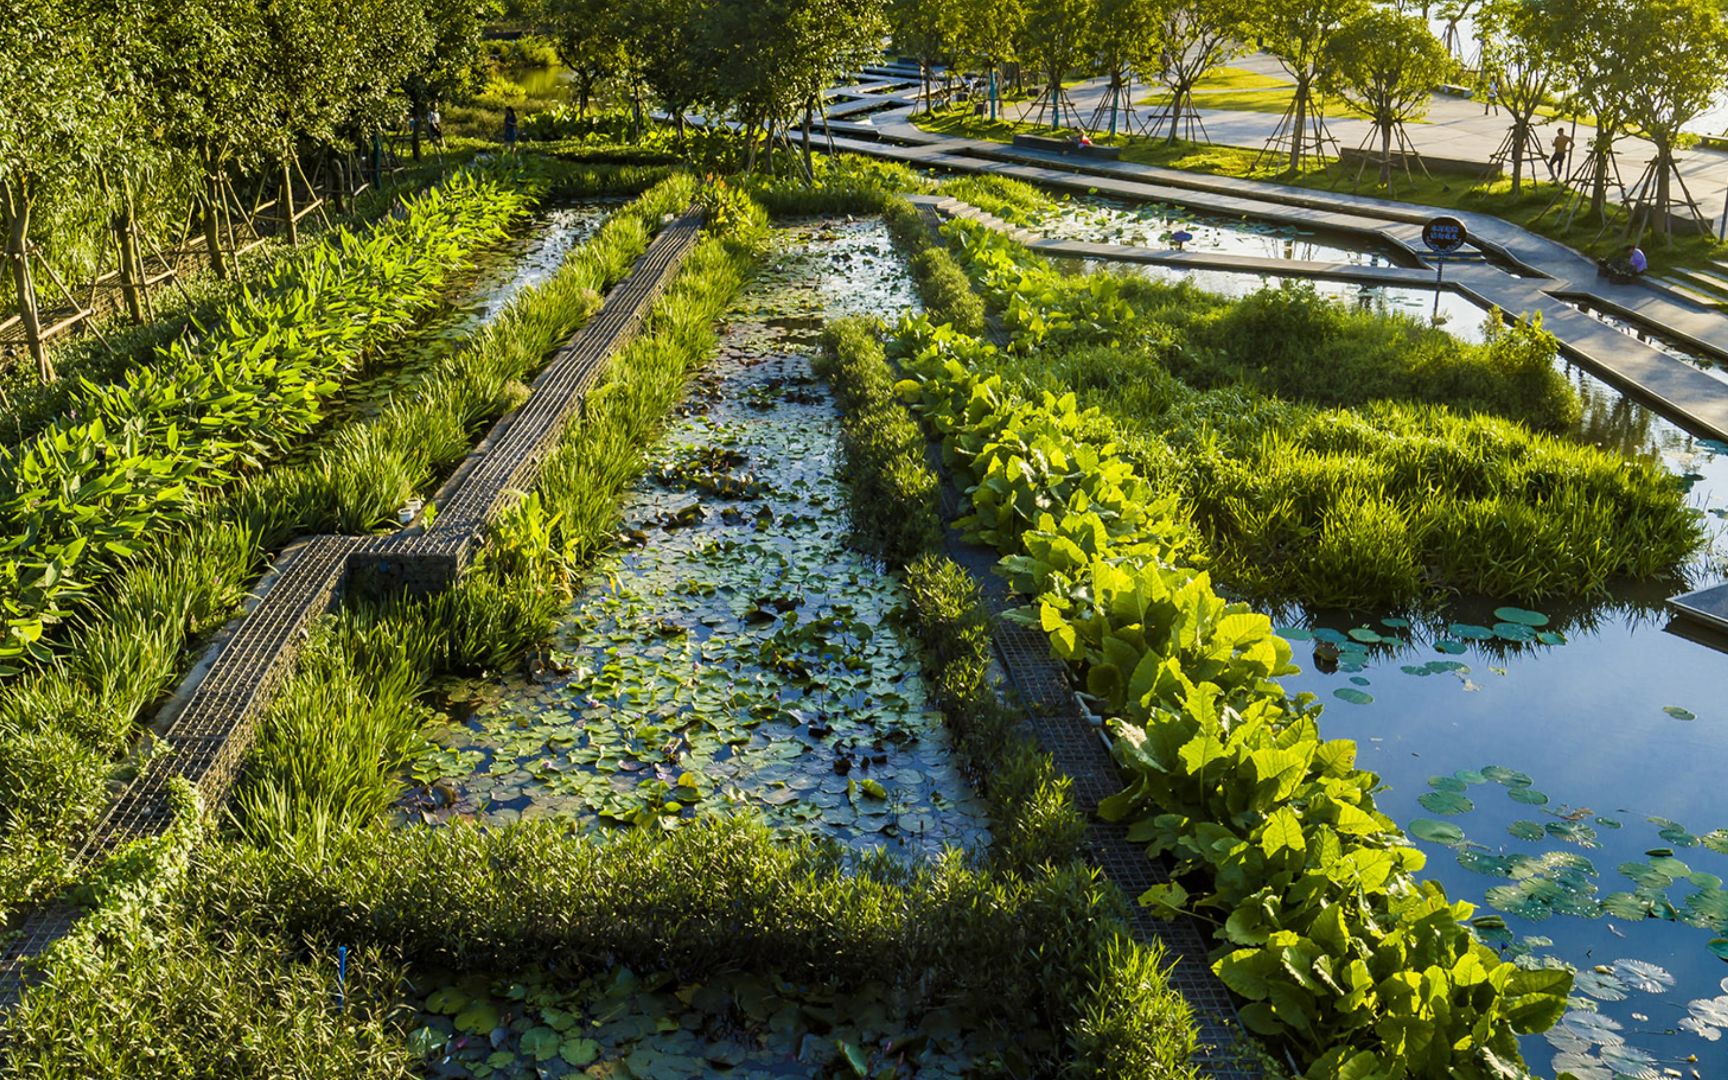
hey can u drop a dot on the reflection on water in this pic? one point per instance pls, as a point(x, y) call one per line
point(1098, 220)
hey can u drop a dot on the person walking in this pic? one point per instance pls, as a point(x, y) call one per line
point(1557, 159)
point(435, 126)
point(1491, 99)
point(509, 128)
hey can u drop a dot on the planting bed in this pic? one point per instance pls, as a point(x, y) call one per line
point(735, 652)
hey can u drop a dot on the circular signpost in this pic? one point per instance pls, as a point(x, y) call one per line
point(1444, 236)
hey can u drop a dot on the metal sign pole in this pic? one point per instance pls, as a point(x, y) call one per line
point(1439, 280)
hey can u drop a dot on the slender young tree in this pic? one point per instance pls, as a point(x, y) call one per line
point(985, 33)
point(1518, 43)
point(1385, 65)
point(590, 37)
point(1297, 32)
point(1056, 42)
point(1682, 52)
point(1187, 41)
point(1601, 74)
point(1123, 27)
point(929, 31)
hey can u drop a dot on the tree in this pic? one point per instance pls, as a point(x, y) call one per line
point(1602, 74)
point(1123, 28)
point(1297, 32)
point(670, 53)
point(453, 61)
point(1188, 39)
point(776, 57)
point(57, 119)
point(1518, 50)
point(1682, 51)
point(1386, 65)
point(1057, 40)
point(590, 37)
point(927, 30)
point(984, 35)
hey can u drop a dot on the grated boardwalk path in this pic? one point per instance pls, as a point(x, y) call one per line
point(207, 742)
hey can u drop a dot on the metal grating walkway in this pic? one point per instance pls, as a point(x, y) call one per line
point(208, 741)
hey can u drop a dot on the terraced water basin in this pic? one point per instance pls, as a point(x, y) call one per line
point(733, 653)
point(1456, 313)
point(1099, 220)
point(499, 276)
point(622, 1025)
point(1560, 768)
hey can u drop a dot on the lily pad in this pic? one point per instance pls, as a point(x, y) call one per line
point(1395, 623)
point(1450, 647)
point(1470, 632)
point(1679, 713)
point(1527, 796)
point(1510, 631)
point(1550, 637)
point(1365, 636)
point(1438, 832)
point(1526, 830)
point(1521, 616)
point(1446, 802)
point(1294, 633)
point(1353, 695)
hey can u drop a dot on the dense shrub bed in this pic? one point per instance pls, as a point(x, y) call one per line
point(1325, 928)
point(131, 456)
point(63, 725)
point(1382, 503)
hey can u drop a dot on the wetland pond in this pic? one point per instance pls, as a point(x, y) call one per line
point(732, 654)
point(1560, 769)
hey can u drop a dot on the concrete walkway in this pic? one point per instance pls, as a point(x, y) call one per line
point(1548, 274)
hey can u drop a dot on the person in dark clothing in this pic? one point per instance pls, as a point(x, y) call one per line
point(509, 128)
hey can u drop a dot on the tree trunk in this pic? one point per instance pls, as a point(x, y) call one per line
point(1520, 140)
point(211, 211)
point(18, 250)
point(131, 265)
point(1599, 184)
point(635, 113)
point(809, 165)
point(1386, 156)
point(1299, 133)
point(750, 148)
point(1664, 171)
point(285, 200)
point(584, 87)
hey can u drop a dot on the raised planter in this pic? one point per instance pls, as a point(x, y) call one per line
point(1434, 164)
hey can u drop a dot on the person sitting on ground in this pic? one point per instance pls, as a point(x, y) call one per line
point(1562, 147)
point(1633, 264)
